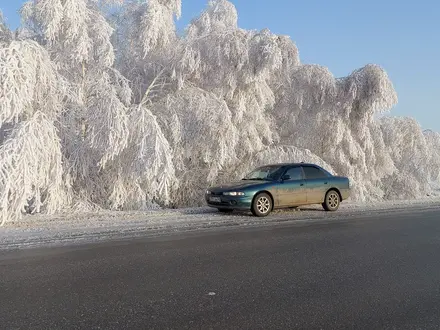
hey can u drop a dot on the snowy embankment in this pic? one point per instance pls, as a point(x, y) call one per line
point(43, 230)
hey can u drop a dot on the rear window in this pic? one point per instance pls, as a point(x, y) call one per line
point(295, 173)
point(314, 173)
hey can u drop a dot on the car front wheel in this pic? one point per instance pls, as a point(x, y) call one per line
point(332, 201)
point(262, 205)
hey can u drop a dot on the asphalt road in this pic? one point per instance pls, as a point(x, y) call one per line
point(372, 273)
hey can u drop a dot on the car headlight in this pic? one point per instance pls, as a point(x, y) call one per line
point(233, 193)
point(208, 192)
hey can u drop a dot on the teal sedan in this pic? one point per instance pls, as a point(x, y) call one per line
point(280, 186)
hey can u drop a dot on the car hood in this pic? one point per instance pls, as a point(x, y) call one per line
point(237, 185)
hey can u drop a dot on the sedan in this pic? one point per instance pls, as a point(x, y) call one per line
point(280, 186)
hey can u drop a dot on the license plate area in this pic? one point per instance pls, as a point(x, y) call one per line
point(215, 199)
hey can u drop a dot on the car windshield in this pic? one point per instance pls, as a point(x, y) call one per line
point(268, 173)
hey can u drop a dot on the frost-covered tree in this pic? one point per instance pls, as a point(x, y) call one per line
point(236, 65)
point(75, 31)
point(408, 149)
point(334, 118)
point(100, 122)
point(200, 151)
point(93, 125)
point(31, 94)
point(143, 175)
point(148, 44)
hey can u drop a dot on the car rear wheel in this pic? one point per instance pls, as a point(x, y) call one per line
point(225, 210)
point(262, 205)
point(332, 201)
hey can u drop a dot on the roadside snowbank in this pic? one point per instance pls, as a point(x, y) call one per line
point(43, 230)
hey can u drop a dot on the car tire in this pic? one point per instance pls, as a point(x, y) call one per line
point(332, 201)
point(225, 210)
point(262, 205)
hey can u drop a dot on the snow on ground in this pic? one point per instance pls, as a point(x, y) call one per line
point(65, 229)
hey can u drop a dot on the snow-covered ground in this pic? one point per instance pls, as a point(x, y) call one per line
point(39, 230)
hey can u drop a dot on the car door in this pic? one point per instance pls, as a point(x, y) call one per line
point(292, 190)
point(317, 182)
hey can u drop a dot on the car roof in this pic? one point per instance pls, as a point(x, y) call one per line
point(292, 164)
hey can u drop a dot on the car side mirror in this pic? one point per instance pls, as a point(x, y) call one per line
point(285, 177)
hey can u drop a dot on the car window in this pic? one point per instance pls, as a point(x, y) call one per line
point(295, 173)
point(314, 173)
point(276, 174)
point(265, 173)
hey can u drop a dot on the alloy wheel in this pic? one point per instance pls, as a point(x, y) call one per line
point(263, 205)
point(333, 200)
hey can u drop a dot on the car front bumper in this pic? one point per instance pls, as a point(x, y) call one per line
point(230, 202)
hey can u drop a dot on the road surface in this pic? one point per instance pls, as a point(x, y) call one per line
point(379, 272)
